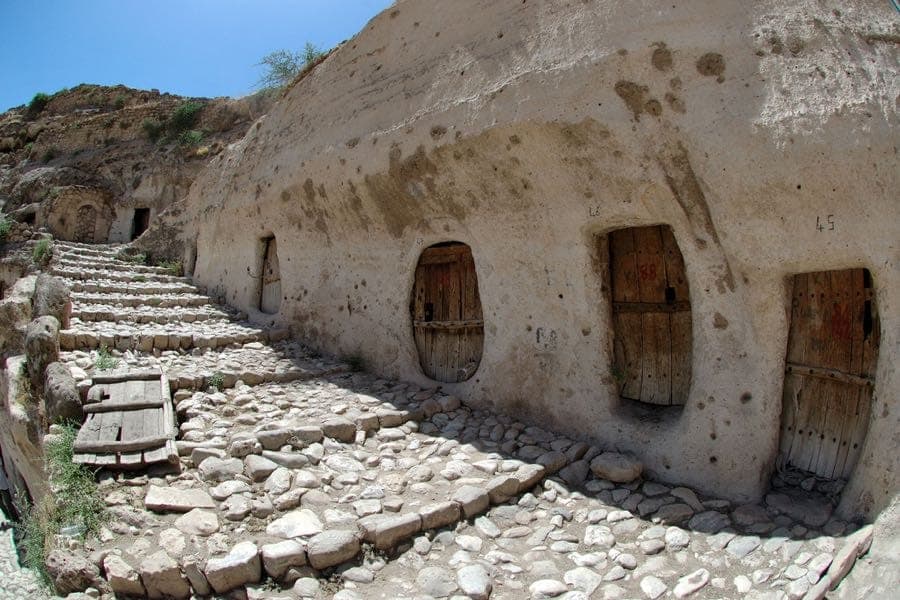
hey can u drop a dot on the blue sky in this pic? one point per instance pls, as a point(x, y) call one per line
point(188, 47)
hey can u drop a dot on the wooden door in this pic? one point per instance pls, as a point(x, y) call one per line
point(829, 372)
point(270, 289)
point(446, 312)
point(85, 224)
point(651, 315)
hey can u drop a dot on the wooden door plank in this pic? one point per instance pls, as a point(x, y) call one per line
point(628, 365)
point(455, 274)
point(838, 306)
point(833, 416)
point(676, 277)
point(798, 452)
point(790, 407)
point(857, 326)
point(858, 429)
point(651, 265)
point(623, 266)
point(654, 338)
point(800, 317)
point(682, 355)
point(871, 341)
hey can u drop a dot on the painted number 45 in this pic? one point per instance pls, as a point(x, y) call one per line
point(826, 225)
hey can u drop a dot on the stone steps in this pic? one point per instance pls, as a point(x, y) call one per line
point(83, 274)
point(109, 286)
point(132, 300)
point(172, 336)
point(77, 250)
point(68, 262)
point(144, 314)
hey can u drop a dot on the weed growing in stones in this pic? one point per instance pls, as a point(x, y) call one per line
point(5, 228)
point(172, 267)
point(217, 381)
point(105, 361)
point(42, 253)
point(357, 362)
point(73, 501)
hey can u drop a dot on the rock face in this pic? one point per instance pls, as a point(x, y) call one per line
point(41, 347)
point(51, 299)
point(61, 399)
point(71, 572)
point(449, 156)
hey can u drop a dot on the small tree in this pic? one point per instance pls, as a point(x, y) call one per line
point(282, 66)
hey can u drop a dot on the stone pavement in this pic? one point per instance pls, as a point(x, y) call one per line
point(302, 479)
point(16, 582)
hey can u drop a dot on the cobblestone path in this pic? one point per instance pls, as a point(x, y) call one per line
point(302, 479)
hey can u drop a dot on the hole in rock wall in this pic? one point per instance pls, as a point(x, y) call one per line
point(270, 278)
point(829, 372)
point(446, 313)
point(140, 222)
point(651, 315)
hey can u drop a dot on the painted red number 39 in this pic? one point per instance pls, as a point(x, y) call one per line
point(648, 271)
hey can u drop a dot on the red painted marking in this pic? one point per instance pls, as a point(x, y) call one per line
point(648, 272)
point(840, 321)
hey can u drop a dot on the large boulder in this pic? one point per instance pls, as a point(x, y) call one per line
point(41, 348)
point(51, 299)
point(619, 468)
point(70, 572)
point(61, 399)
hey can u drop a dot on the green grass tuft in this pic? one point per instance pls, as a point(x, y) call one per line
point(43, 252)
point(105, 361)
point(216, 380)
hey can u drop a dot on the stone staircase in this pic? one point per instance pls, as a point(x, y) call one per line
point(296, 469)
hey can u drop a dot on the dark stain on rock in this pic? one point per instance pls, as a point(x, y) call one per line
point(653, 107)
point(633, 95)
point(351, 143)
point(795, 45)
point(438, 131)
point(685, 186)
point(746, 397)
point(321, 190)
point(712, 64)
point(309, 189)
point(661, 59)
point(675, 103)
point(719, 321)
point(514, 140)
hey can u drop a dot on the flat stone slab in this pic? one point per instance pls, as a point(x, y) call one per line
point(167, 499)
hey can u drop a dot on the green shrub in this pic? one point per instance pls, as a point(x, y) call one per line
point(105, 361)
point(136, 259)
point(38, 103)
point(185, 116)
point(5, 228)
point(42, 252)
point(191, 137)
point(73, 500)
point(216, 380)
point(172, 267)
point(119, 102)
point(283, 66)
point(153, 129)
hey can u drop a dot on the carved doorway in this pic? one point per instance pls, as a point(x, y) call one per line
point(830, 372)
point(270, 286)
point(651, 315)
point(446, 311)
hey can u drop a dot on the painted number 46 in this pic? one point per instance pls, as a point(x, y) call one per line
point(826, 225)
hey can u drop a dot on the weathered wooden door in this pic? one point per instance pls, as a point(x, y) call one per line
point(446, 311)
point(85, 224)
point(651, 315)
point(270, 288)
point(829, 372)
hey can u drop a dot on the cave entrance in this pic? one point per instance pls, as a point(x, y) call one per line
point(829, 372)
point(85, 224)
point(651, 315)
point(270, 285)
point(140, 222)
point(446, 312)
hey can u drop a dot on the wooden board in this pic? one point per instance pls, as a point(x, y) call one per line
point(829, 374)
point(132, 424)
point(652, 323)
point(448, 325)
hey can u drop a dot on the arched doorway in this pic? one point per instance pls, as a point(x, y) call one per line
point(446, 312)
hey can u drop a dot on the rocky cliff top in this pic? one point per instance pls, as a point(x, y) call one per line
point(125, 141)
